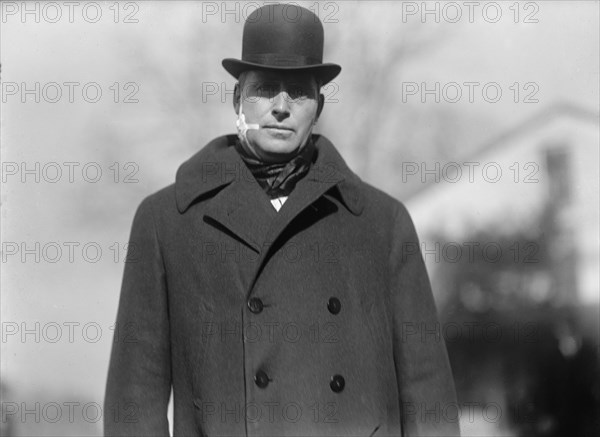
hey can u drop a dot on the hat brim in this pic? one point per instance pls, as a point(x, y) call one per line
point(325, 73)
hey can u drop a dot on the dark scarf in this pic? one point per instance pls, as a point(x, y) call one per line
point(279, 179)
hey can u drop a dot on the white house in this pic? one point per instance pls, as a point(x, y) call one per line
point(547, 165)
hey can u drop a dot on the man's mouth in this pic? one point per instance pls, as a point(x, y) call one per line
point(277, 127)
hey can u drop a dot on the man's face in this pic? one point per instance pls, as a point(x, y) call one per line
point(285, 105)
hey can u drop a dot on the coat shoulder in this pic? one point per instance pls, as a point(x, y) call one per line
point(190, 172)
point(383, 204)
point(163, 198)
point(158, 205)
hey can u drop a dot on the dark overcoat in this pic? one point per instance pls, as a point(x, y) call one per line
point(314, 320)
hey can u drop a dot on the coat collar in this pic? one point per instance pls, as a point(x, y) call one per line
point(219, 164)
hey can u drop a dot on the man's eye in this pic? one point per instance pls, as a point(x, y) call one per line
point(267, 89)
point(298, 93)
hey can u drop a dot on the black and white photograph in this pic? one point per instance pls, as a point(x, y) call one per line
point(300, 218)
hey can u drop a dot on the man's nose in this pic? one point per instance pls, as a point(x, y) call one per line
point(281, 107)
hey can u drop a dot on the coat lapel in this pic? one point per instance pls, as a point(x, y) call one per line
point(241, 208)
point(235, 202)
point(244, 210)
point(316, 183)
point(327, 172)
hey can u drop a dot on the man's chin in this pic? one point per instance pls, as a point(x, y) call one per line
point(277, 151)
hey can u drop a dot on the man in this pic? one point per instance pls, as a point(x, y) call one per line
point(274, 291)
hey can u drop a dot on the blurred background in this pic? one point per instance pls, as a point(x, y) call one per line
point(482, 117)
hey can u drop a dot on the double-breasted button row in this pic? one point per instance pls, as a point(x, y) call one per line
point(255, 305)
point(261, 379)
point(337, 382)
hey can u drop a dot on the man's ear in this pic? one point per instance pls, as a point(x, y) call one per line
point(320, 106)
point(236, 97)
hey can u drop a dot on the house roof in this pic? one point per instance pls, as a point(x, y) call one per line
point(546, 116)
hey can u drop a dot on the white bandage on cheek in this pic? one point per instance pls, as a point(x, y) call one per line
point(241, 124)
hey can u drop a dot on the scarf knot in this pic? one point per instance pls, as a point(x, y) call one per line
point(279, 179)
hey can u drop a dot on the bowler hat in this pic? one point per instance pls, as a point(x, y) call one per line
point(283, 37)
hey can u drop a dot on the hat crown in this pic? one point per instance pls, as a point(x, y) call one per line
point(283, 35)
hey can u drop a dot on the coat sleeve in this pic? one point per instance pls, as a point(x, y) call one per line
point(139, 375)
point(425, 383)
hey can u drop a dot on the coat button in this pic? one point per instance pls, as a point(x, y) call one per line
point(255, 305)
point(334, 305)
point(337, 383)
point(261, 379)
